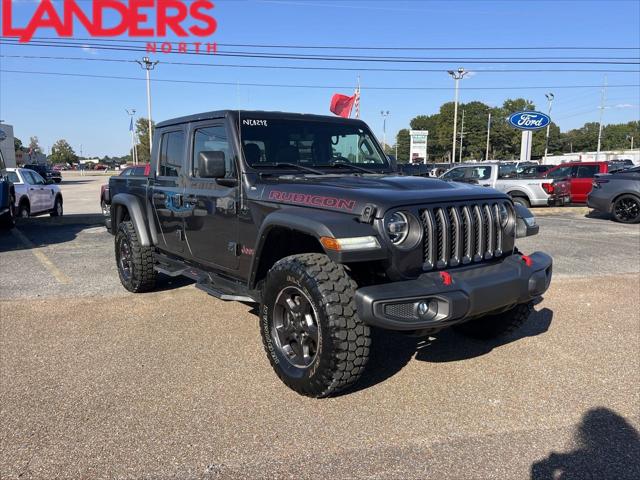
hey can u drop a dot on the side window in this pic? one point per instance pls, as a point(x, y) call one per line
point(38, 180)
point(126, 172)
point(171, 153)
point(561, 172)
point(455, 173)
point(214, 138)
point(28, 178)
point(13, 177)
point(586, 171)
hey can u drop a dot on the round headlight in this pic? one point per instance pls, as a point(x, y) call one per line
point(397, 227)
point(503, 214)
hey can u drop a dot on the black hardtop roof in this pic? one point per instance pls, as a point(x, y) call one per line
point(256, 114)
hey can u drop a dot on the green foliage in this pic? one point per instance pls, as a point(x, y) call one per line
point(62, 152)
point(142, 133)
point(17, 144)
point(505, 140)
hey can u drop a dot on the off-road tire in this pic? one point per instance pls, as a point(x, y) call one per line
point(142, 276)
point(343, 349)
point(57, 207)
point(493, 326)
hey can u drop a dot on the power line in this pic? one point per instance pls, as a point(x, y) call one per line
point(290, 67)
point(276, 85)
point(354, 47)
point(344, 58)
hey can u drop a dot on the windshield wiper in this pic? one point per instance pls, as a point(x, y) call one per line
point(351, 165)
point(287, 164)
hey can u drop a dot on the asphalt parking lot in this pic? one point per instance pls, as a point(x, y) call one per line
point(99, 383)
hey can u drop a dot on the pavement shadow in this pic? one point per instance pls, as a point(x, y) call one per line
point(43, 231)
point(392, 351)
point(609, 448)
point(451, 346)
point(598, 215)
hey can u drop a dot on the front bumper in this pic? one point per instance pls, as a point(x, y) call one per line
point(429, 302)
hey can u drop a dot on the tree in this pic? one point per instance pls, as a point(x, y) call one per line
point(34, 146)
point(142, 132)
point(403, 141)
point(17, 144)
point(61, 152)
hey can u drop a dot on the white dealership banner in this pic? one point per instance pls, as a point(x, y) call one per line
point(418, 150)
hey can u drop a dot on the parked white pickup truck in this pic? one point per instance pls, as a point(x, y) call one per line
point(529, 192)
point(34, 195)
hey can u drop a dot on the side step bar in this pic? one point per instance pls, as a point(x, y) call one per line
point(215, 285)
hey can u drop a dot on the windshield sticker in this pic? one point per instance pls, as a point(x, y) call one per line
point(254, 123)
point(313, 200)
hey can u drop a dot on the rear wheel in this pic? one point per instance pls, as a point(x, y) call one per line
point(135, 262)
point(314, 340)
point(626, 209)
point(522, 201)
point(492, 326)
point(57, 208)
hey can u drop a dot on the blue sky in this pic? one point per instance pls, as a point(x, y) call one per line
point(90, 111)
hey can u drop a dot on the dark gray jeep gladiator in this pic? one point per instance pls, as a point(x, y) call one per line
point(305, 216)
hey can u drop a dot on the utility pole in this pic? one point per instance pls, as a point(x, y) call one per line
point(461, 136)
point(457, 76)
point(603, 98)
point(550, 98)
point(397, 148)
point(486, 155)
point(134, 156)
point(384, 114)
point(630, 137)
point(148, 65)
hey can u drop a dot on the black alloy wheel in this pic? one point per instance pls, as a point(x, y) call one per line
point(295, 329)
point(626, 209)
point(125, 258)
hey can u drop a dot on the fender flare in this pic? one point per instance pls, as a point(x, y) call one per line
point(137, 214)
point(324, 223)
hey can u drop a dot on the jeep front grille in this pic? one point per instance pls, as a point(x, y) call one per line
point(461, 234)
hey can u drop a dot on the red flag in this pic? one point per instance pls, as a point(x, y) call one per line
point(341, 105)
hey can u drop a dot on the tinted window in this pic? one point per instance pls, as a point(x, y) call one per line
point(38, 180)
point(454, 174)
point(28, 177)
point(214, 138)
point(125, 172)
point(13, 177)
point(171, 152)
point(586, 171)
point(561, 172)
point(139, 171)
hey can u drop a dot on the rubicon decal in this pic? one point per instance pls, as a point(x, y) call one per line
point(136, 18)
point(312, 200)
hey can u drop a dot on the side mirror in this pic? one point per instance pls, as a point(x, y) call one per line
point(211, 164)
point(526, 225)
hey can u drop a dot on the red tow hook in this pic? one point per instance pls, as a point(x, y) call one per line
point(527, 260)
point(446, 278)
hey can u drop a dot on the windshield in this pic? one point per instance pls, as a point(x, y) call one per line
point(311, 144)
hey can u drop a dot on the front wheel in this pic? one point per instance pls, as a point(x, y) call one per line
point(492, 326)
point(135, 262)
point(626, 209)
point(522, 201)
point(314, 340)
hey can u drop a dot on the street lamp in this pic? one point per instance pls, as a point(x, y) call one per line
point(630, 137)
point(457, 76)
point(550, 98)
point(384, 114)
point(132, 114)
point(148, 65)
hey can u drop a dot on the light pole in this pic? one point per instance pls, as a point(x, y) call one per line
point(132, 114)
point(550, 98)
point(148, 65)
point(384, 114)
point(630, 137)
point(486, 155)
point(461, 136)
point(457, 76)
point(603, 98)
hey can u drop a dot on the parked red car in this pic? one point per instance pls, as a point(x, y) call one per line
point(579, 177)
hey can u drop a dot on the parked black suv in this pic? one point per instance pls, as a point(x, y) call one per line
point(45, 172)
point(305, 216)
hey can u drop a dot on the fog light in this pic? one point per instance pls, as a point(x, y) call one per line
point(427, 309)
point(423, 308)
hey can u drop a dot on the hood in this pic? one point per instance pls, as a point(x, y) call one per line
point(351, 193)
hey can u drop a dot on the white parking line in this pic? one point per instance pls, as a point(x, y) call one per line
point(44, 260)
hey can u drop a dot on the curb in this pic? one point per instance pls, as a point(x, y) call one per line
point(87, 219)
point(544, 211)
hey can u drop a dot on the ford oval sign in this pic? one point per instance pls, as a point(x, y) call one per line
point(529, 120)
